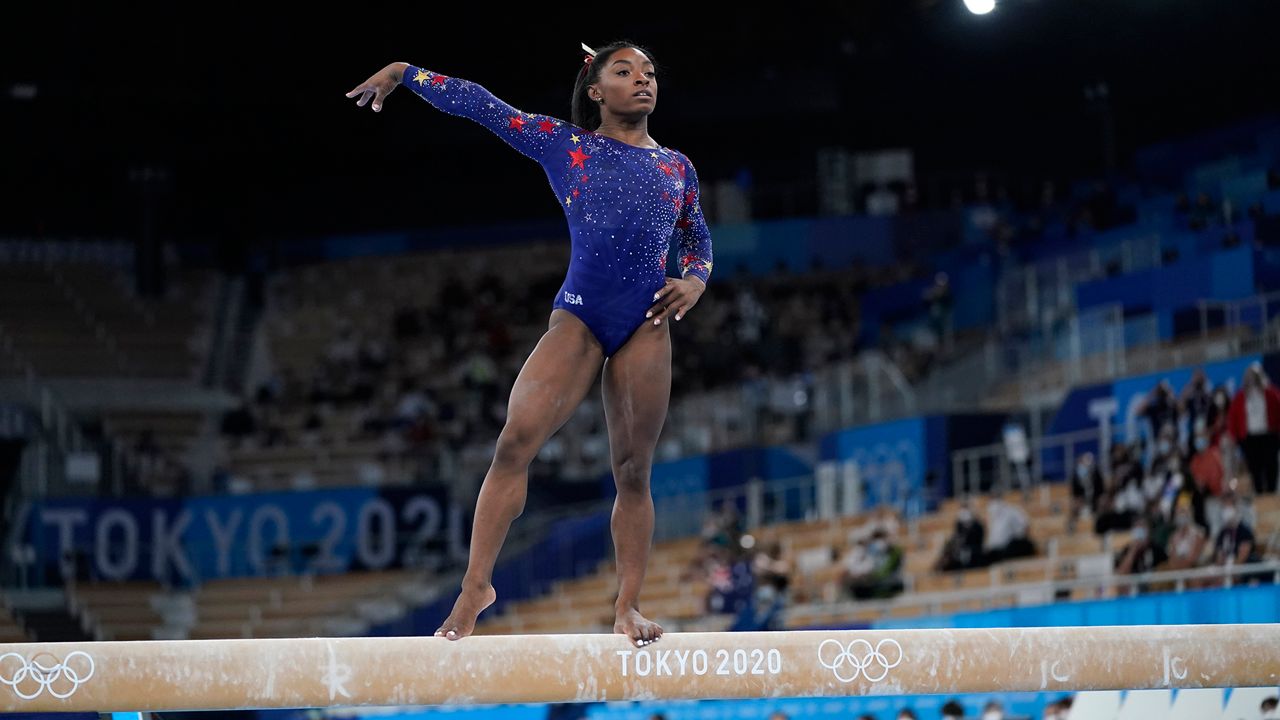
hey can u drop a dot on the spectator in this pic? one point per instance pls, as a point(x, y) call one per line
point(770, 566)
point(1058, 710)
point(1235, 542)
point(1254, 422)
point(1123, 499)
point(239, 423)
point(1187, 542)
point(883, 577)
point(722, 527)
point(1267, 710)
point(952, 710)
point(1087, 488)
point(1194, 403)
point(963, 550)
point(1206, 464)
point(1216, 415)
point(779, 715)
point(1007, 537)
point(939, 302)
point(993, 711)
point(764, 608)
point(907, 714)
point(1159, 408)
point(1140, 555)
point(731, 583)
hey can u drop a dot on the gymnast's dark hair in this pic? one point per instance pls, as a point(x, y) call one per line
point(583, 111)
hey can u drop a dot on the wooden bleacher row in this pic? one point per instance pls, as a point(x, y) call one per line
point(309, 305)
point(41, 311)
point(590, 600)
point(232, 608)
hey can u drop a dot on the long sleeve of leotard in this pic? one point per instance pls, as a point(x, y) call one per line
point(693, 239)
point(533, 135)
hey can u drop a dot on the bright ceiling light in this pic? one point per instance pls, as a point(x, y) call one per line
point(980, 7)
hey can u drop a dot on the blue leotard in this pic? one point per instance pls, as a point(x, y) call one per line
point(624, 203)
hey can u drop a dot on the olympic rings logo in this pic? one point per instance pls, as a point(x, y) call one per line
point(860, 658)
point(37, 675)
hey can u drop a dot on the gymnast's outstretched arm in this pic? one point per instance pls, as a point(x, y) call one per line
point(533, 135)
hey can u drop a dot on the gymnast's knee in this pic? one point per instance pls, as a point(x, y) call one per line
point(631, 475)
point(517, 446)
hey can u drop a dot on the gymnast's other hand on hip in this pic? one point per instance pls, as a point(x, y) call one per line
point(676, 297)
point(379, 85)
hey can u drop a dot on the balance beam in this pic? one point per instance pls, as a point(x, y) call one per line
point(328, 672)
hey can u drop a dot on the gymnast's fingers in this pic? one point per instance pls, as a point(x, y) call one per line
point(666, 311)
point(666, 288)
point(661, 299)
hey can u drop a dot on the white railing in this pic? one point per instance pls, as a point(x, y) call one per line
point(1043, 592)
point(1250, 324)
point(1027, 295)
point(987, 468)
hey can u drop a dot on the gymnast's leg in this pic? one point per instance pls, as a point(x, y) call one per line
point(552, 383)
point(636, 388)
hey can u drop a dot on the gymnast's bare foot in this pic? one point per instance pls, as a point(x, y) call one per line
point(631, 623)
point(462, 621)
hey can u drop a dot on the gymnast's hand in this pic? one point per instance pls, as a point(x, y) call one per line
point(676, 297)
point(379, 85)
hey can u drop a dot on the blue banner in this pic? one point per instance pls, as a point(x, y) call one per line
point(893, 458)
point(194, 539)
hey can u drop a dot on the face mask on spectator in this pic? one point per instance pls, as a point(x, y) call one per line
point(1139, 534)
point(1182, 520)
point(1164, 446)
point(879, 546)
point(1202, 442)
point(1229, 516)
point(964, 515)
point(1269, 715)
point(1082, 471)
point(1220, 400)
point(993, 715)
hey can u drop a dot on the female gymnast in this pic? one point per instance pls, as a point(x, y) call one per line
point(625, 198)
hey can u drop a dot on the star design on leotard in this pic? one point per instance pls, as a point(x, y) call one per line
point(665, 168)
point(653, 155)
point(547, 126)
point(575, 139)
point(421, 77)
point(516, 122)
point(438, 79)
point(580, 158)
point(492, 106)
point(568, 200)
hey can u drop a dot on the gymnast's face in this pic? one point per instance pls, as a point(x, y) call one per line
point(628, 83)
